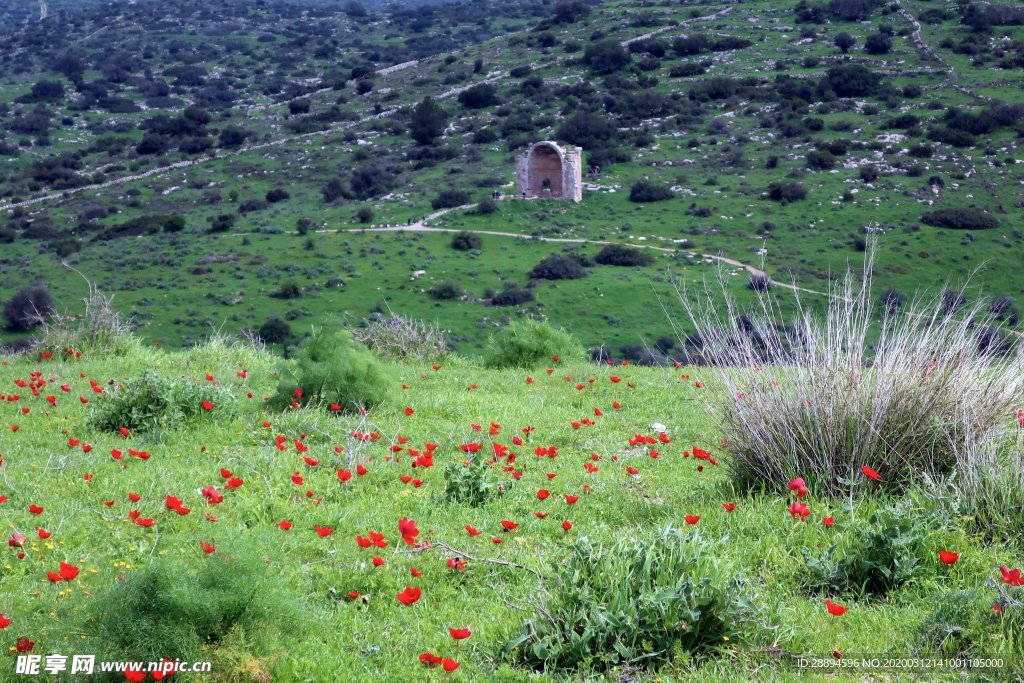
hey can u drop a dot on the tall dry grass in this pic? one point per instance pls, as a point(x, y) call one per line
point(915, 393)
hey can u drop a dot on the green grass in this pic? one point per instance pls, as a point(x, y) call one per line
point(381, 639)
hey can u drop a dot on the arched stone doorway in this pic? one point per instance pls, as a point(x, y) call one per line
point(544, 172)
point(549, 170)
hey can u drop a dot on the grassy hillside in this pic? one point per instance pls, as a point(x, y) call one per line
point(570, 430)
point(301, 117)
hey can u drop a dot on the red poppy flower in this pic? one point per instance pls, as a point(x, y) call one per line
point(798, 486)
point(410, 595)
point(1011, 577)
point(5, 622)
point(729, 507)
point(207, 547)
point(343, 474)
point(834, 609)
point(324, 531)
point(407, 528)
point(948, 557)
point(68, 572)
point(233, 483)
point(459, 633)
point(134, 675)
point(23, 644)
point(509, 525)
point(207, 406)
point(571, 499)
point(566, 525)
point(35, 509)
point(543, 494)
point(828, 522)
point(692, 519)
point(429, 659)
point(378, 561)
point(449, 664)
point(798, 510)
point(284, 524)
point(409, 411)
point(870, 473)
point(378, 539)
point(471, 531)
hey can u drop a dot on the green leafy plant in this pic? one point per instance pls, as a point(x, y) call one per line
point(468, 484)
point(153, 401)
point(526, 343)
point(173, 609)
point(332, 368)
point(634, 600)
point(884, 554)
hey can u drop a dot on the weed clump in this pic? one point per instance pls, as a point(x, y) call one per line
point(331, 367)
point(526, 343)
point(634, 600)
point(153, 401)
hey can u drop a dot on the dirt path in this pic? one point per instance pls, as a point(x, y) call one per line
point(421, 226)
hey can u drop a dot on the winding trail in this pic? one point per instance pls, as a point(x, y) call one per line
point(421, 226)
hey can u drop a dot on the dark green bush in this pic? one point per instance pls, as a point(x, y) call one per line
point(558, 267)
point(446, 291)
point(960, 219)
point(177, 610)
point(331, 367)
point(632, 602)
point(820, 160)
point(466, 241)
point(28, 308)
point(526, 343)
point(449, 199)
point(646, 191)
point(786, 192)
point(153, 401)
point(512, 297)
point(621, 255)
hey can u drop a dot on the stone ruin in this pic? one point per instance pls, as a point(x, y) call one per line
point(550, 171)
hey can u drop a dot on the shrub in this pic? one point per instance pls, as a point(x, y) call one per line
point(634, 601)
point(843, 402)
point(621, 255)
point(479, 96)
point(759, 282)
point(400, 338)
point(287, 290)
point(332, 367)
point(820, 160)
point(877, 44)
point(449, 199)
point(275, 331)
point(960, 219)
point(786, 192)
point(178, 610)
point(605, 56)
point(446, 291)
point(364, 214)
point(28, 308)
point(512, 297)
point(276, 195)
point(466, 241)
point(558, 267)
point(850, 80)
point(646, 191)
point(524, 343)
point(152, 401)
point(486, 207)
